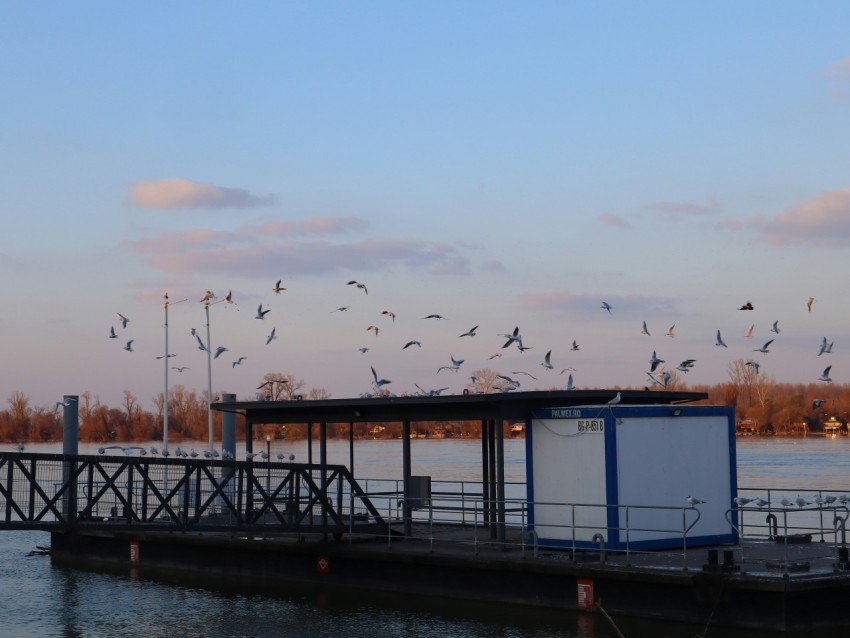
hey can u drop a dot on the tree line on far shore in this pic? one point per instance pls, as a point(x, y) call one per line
point(767, 405)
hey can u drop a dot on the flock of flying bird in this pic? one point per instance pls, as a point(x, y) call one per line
point(658, 374)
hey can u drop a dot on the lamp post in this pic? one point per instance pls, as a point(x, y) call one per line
point(165, 357)
point(207, 300)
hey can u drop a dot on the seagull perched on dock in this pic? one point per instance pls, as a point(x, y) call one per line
point(694, 501)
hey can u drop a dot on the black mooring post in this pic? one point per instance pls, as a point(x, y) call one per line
point(70, 450)
point(500, 476)
point(491, 443)
point(485, 472)
point(406, 510)
point(323, 460)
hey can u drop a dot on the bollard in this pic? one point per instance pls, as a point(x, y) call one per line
point(70, 448)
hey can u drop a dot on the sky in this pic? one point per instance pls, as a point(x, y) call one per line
point(501, 164)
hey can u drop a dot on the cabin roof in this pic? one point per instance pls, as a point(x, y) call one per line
point(460, 407)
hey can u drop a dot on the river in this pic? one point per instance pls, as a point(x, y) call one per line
point(40, 600)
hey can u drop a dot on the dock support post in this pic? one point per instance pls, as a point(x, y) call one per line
point(491, 452)
point(406, 510)
point(70, 450)
point(485, 472)
point(228, 443)
point(500, 478)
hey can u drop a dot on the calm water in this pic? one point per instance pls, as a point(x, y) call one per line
point(41, 600)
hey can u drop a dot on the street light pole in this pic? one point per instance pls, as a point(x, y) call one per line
point(165, 394)
point(207, 305)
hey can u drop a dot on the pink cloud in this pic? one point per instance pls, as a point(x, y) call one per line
point(177, 192)
point(840, 70)
point(314, 226)
point(823, 220)
point(613, 220)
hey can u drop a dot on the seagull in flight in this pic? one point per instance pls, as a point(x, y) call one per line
point(375, 328)
point(379, 383)
point(112, 334)
point(574, 347)
point(434, 316)
point(686, 365)
point(228, 298)
point(412, 342)
point(513, 337)
point(261, 314)
point(825, 347)
point(569, 385)
point(364, 350)
point(764, 348)
point(606, 306)
point(454, 367)
point(272, 336)
point(430, 393)
point(219, 351)
point(755, 365)
point(645, 330)
point(746, 306)
point(825, 376)
point(341, 309)
point(278, 288)
point(494, 355)
point(749, 333)
point(547, 361)
point(179, 368)
point(669, 332)
point(389, 313)
point(359, 285)
point(201, 345)
point(809, 303)
point(654, 361)
point(66, 403)
point(129, 346)
point(238, 361)
point(720, 341)
point(775, 327)
point(816, 403)
point(209, 295)
point(123, 319)
point(470, 332)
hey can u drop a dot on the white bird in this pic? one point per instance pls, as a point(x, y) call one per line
point(843, 499)
point(66, 403)
point(228, 298)
point(470, 332)
point(201, 345)
point(829, 499)
point(278, 288)
point(219, 351)
point(800, 501)
point(513, 337)
point(760, 502)
point(786, 503)
point(686, 365)
point(129, 346)
point(238, 362)
point(669, 332)
point(454, 367)
point(494, 355)
point(606, 306)
point(112, 334)
point(123, 319)
point(547, 361)
point(180, 369)
point(775, 327)
point(654, 361)
point(389, 313)
point(617, 398)
point(528, 374)
point(720, 341)
point(379, 383)
point(209, 295)
point(809, 303)
point(764, 348)
point(742, 501)
point(359, 285)
point(261, 314)
point(749, 333)
point(694, 501)
point(375, 328)
point(272, 336)
point(569, 385)
point(412, 342)
point(825, 376)
point(825, 347)
point(645, 330)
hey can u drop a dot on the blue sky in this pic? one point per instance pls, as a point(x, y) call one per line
point(497, 163)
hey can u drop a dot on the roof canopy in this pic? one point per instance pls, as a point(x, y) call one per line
point(453, 407)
